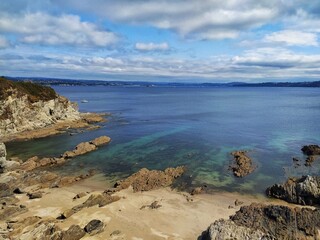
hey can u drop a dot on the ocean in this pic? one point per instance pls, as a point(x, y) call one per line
point(160, 127)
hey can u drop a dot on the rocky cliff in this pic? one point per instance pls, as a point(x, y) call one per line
point(27, 106)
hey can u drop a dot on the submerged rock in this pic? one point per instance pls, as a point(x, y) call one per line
point(146, 180)
point(242, 164)
point(269, 222)
point(304, 190)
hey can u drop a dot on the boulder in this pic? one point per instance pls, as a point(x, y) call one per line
point(304, 190)
point(34, 195)
point(242, 164)
point(75, 232)
point(80, 149)
point(94, 227)
point(311, 150)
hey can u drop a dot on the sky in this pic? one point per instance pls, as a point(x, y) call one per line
point(161, 40)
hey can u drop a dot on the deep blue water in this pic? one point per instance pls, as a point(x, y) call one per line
point(197, 127)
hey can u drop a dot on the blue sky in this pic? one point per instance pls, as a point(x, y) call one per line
point(163, 40)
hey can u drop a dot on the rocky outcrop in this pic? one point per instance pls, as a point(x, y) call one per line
point(311, 150)
point(304, 190)
point(86, 147)
point(227, 229)
point(271, 222)
point(242, 165)
point(146, 180)
point(28, 106)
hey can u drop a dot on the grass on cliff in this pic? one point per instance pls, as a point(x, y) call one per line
point(35, 92)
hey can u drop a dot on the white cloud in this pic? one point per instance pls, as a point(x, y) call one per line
point(206, 19)
point(55, 30)
point(4, 43)
point(151, 46)
point(293, 37)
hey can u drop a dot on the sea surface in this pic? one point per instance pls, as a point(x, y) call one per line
point(160, 127)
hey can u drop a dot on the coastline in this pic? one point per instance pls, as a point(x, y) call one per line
point(87, 120)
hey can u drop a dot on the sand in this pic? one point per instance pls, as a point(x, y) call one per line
point(177, 218)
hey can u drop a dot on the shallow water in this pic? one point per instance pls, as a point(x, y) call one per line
point(197, 127)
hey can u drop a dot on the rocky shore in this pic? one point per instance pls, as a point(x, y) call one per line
point(29, 110)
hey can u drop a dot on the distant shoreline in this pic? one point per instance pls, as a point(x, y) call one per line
point(73, 82)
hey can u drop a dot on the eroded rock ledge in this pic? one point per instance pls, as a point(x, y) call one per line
point(242, 165)
point(304, 190)
point(268, 222)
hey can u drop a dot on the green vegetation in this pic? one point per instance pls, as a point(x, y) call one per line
point(35, 92)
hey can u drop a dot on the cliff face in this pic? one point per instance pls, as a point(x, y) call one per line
point(28, 106)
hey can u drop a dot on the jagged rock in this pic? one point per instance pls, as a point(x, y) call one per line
point(304, 191)
point(94, 227)
point(153, 205)
point(146, 180)
point(34, 195)
point(226, 229)
point(44, 230)
point(280, 222)
point(29, 165)
point(99, 199)
point(100, 140)
point(75, 232)
point(311, 150)
point(242, 164)
point(237, 202)
point(268, 222)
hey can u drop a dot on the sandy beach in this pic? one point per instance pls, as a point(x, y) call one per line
point(181, 216)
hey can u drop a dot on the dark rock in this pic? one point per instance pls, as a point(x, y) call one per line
point(242, 164)
point(311, 150)
point(146, 180)
point(34, 195)
point(18, 191)
point(94, 227)
point(304, 191)
point(75, 232)
point(153, 205)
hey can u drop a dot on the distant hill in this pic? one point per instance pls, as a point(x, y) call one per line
point(71, 82)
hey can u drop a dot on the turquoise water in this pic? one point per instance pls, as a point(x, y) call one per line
point(197, 127)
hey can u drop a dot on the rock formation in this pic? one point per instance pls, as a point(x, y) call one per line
point(304, 190)
point(146, 180)
point(311, 150)
point(242, 164)
point(268, 222)
point(27, 106)
point(86, 147)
